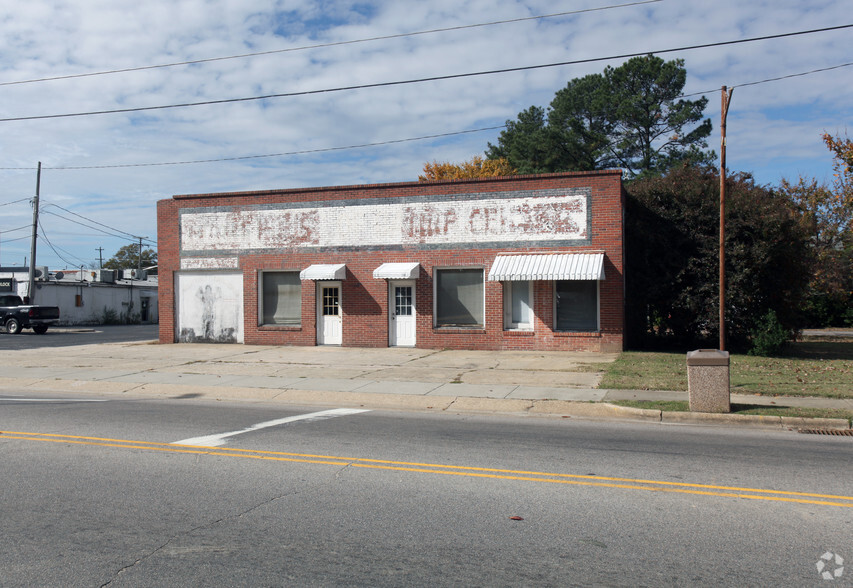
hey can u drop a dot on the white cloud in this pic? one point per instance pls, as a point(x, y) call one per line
point(773, 128)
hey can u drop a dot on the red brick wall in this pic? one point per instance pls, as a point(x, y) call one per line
point(364, 300)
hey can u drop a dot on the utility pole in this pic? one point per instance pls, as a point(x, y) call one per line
point(726, 99)
point(31, 290)
point(139, 267)
point(100, 251)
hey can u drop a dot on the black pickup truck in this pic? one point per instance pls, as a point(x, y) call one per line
point(15, 315)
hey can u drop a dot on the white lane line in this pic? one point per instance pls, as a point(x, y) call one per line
point(219, 439)
point(4, 398)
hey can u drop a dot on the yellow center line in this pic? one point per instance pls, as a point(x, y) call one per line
point(450, 470)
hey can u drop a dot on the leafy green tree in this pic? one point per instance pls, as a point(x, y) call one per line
point(525, 143)
point(629, 117)
point(672, 259)
point(826, 213)
point(127, 257)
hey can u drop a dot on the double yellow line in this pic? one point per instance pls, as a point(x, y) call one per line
point(449, 470)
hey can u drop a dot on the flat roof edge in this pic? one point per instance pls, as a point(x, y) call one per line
point(398, 185)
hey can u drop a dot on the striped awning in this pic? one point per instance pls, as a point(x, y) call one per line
point(398, 271)
point(553, 266)
point(324, 271)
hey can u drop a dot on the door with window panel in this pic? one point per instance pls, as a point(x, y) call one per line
point(402, 327)
point(329, 317)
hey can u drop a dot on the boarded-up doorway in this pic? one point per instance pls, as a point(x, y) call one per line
point(209, 307)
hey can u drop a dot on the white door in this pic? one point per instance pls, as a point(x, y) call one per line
point(329, 323)
point(402, 318)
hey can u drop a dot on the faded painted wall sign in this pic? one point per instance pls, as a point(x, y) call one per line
point(523, 218)
point(209, 263)
point(210, 307)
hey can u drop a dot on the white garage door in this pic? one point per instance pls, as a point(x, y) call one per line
point(209, 307)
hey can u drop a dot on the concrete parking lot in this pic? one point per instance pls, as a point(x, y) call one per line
point(78, 335)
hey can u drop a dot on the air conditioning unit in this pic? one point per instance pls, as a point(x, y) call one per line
point(103, 276)
point(135, 274)
point(40, 273)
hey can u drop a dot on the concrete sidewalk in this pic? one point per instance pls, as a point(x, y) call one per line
point(531, 382)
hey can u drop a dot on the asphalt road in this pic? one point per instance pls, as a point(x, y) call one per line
point(99, 494)
point(82, 335)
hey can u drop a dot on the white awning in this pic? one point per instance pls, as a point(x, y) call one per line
point(554, 266)
point(324, 271)
point(398, 271)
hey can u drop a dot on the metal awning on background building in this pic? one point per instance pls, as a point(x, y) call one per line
point(324, 271)
point(398, 271)
point(552, 266)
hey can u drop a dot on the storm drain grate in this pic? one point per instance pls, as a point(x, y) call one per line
point(839, 432)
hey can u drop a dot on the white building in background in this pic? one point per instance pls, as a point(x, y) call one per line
point(87, 297)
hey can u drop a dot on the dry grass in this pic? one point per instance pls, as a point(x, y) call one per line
point(812, 368)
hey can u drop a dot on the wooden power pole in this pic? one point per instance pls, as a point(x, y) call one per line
point(726, 99)
point(31, 288)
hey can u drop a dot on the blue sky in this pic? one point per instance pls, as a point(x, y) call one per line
point(774, 128)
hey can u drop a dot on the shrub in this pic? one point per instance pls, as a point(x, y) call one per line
point(110, 317)
point(672, 259)
point(769, 337)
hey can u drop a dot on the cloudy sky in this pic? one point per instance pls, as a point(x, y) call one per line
point(99, 184)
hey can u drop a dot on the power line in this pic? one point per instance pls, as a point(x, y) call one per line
point(18, 229)
point(15, 239)
point(16, 201)
point(391, 141)
point(323, 45)
point(776, 79)
point(283, 154)
point(419, 80)
point(375, 144)
point(55, 247)
point(132, 236)
point(94, 228)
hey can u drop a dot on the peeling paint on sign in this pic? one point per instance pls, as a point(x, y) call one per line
point(495, 219)
point(210, 263)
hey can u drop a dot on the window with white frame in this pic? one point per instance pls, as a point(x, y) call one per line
point(576, 305)
point(518, 305)
point(459, 297)
point(281, 299)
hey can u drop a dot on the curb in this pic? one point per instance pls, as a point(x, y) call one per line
point(754, 420)
point(464, 404)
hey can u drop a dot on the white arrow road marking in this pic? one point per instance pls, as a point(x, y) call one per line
point(219, 439)
point(2, 398)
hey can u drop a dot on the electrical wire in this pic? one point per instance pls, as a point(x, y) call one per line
point(54, 249)
point(15, 239)
point(389, 142)
point(105, 232)
point(283, 154)
point(416, 80)
point(322, 45)
point(16, 201)
point(375, 144)
point(776, 79)
point(129, 235)
point(18, 229)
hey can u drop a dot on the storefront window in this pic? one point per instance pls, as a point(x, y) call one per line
point(282, 298)
point(518, 305)
point(459, 298)
point(576, 304)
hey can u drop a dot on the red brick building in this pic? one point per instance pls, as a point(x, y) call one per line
point(523, 262)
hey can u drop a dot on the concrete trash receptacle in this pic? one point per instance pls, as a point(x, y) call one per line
point(708, 380)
